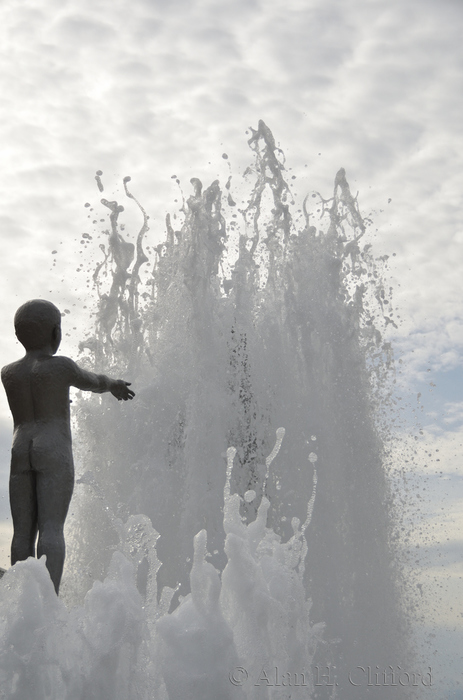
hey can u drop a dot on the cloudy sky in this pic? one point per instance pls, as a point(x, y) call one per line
point(151, 89)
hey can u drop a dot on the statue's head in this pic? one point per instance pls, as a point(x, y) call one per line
point(38, 325)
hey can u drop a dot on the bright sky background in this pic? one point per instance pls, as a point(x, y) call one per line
point(151, 89)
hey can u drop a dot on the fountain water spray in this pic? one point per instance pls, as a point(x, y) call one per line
point(251, 318)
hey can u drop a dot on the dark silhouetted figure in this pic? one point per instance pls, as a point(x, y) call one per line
point(42, 467)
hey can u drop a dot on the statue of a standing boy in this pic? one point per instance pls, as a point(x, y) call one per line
point(42, 468)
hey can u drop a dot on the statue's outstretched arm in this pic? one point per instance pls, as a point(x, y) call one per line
point(98, 383)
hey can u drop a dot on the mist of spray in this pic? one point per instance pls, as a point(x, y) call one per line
point(251, 318)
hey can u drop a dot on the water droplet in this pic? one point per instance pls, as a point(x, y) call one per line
point(249, 496)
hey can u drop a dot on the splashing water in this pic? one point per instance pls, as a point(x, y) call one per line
point(250, 319)
point(123, 644)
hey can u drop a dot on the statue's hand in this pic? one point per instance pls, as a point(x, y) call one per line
point(121, 391)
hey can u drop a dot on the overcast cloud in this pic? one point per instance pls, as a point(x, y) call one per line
point(150, 88)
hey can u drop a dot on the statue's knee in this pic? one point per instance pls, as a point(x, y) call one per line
point(22, 548)
point(51, 537)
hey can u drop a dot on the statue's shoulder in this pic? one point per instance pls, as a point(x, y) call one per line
point(63, 363)
point(11, 369)
point(63, 360)
point(64, 366)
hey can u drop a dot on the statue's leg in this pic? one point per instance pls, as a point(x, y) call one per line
point(54, 491)
point(23, 503)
